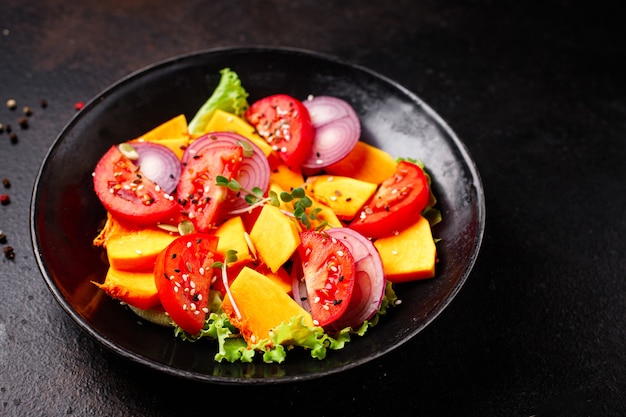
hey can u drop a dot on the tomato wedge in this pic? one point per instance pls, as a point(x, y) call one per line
point(285, 124)
point(127, 194)
point(396, 204)
point(328, 268)
point(198, 194)
point(182, 274)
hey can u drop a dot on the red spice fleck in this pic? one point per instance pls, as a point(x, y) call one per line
point(79, 105)
point(5, 199)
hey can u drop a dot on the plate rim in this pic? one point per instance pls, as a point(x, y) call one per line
point(476, 184)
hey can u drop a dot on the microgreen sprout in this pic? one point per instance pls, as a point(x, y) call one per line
point(229, 257)
point(254, 197)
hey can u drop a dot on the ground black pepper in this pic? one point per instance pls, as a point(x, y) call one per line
point(43, 103)
point(6, 182)
point(13, 137)
point(23, 121)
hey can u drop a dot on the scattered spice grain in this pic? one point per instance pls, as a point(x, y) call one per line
point(9, 252)
point(27, 111)
point(43, 103)
point(5, 199)
point(11, 104)
point(6, 182)
point(13, 137)
point(3, 237)
point(23, 121)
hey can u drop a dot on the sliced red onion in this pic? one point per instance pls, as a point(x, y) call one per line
point(369, 286)
point(336, 130)
point(159, 164)
point(253, 173)
point(298, 286)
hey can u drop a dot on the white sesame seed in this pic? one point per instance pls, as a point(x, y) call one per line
point(188, 244)
point(316, 300)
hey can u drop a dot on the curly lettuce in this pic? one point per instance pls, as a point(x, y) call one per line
point(232, 347)
point(229, 95)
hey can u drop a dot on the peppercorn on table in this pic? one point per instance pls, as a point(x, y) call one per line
point(535, 93)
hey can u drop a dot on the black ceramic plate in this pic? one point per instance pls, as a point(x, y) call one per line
point(65, 213)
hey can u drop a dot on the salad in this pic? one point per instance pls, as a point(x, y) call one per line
point(266, 225)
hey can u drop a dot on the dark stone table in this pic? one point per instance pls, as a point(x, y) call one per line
point(536, 92)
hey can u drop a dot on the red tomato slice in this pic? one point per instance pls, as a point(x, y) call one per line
point(197, 191)
point(127, 194)
point(182, 274)
point(285, 124)
point(328, 268)
point(396, 204)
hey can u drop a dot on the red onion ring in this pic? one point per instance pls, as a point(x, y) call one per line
point(336, 130)
point(298, 286)
point(370, 283)
point(253, 172)
point(159, 164)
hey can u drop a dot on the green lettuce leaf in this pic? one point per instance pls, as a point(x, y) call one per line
point(229, 95)
point(232, 347)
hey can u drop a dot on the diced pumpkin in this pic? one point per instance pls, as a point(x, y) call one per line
point(274, 236)
point(287, 178)
point(324, 213)
point(110, 228)
point(135, 249)
point(232, 236)
point(136, 288)
point(222, 121)
point(409, 255)
point(344, 195)
point(366, 163)
point(281, 277)
point(172, 133)
point(263, 305)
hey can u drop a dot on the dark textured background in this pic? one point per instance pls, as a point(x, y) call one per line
point(537, 93)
